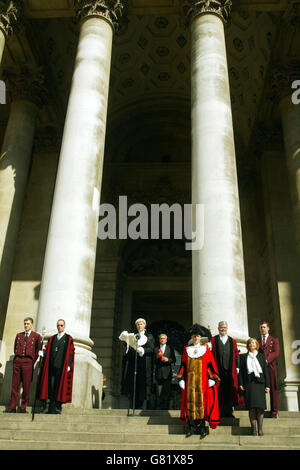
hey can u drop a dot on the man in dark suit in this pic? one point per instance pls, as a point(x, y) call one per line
point(226, 354)
point(164, 357)
point(26, 349)
point(270, 347)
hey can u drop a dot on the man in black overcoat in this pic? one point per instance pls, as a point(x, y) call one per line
point(164, 357)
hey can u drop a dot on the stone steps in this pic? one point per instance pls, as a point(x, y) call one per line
point(158, 430)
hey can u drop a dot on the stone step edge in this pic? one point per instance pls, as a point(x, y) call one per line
point(135, 447)
point(60, 434)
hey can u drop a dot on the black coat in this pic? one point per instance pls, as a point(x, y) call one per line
point(144, 372)
point(163, 370)
point(254, 395)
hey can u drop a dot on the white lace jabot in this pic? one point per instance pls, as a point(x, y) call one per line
point(195, 350)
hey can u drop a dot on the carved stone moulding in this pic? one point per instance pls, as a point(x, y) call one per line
point(10, 16)
point(111, 10)
point(26, 84)
point(194, 8)
point(281, 78)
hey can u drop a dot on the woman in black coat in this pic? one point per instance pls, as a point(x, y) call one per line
point(254, 382)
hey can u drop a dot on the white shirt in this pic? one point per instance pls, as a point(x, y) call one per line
point(163, 348)
point(266, 337)
point(27, 333)
point(224, 338)
point(60, 335)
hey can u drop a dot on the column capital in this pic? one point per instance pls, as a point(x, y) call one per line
point(194, 8)
point(26, 84)
point(110, 10)
point(10, 15)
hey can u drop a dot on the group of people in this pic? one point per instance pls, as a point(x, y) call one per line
point(55, 377)
point(213, 376)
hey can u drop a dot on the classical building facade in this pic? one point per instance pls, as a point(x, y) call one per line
point(164, 102)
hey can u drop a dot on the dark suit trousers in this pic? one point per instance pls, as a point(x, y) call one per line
point(225, 401)
point(22, 372)
point(273, 391)
point(54, 382)
point(163, 393)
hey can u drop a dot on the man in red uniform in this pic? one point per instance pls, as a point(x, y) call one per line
point(26, 350)
point(198, 376)
point(270, 347)
point(56, 379)
point(226, 354)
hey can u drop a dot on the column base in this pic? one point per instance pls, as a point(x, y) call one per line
point(289, 396)
point(87, 381)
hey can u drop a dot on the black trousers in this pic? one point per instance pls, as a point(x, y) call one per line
point(163, 393)
point(53, 384)
point(225, 402)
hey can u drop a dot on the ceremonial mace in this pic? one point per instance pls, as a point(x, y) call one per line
point(137, 336)
point(38, 376)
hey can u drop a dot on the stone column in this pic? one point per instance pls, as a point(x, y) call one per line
point(285, 71)
point(68, 273)
point(283, 76)
point(218, 267)
point(290, 119)
point(9, 19)
point(26, 89)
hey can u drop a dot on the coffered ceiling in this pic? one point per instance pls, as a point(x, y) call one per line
point(151, 58)
point(64, 8)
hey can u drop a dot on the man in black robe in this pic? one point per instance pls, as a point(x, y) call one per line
point(144, 366)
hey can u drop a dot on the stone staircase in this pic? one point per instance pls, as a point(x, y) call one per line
point(147, 430)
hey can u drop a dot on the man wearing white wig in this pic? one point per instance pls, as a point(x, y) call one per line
point(145, 349)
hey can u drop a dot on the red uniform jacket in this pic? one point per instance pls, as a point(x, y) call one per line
point(30, 347)
point(66, 382)
point(198, 400)
point(234, 354)
point(271, 351)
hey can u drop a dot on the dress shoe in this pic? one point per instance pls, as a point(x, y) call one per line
point(203, 431)
point(274, 416)
point(22, 410)
point(10, 410)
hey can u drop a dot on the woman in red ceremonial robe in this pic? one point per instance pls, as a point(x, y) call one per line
point(198, 380)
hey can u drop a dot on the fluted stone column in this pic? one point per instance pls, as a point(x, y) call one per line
point(68, 273)
point(218, 268)
point(290, 118)
point(288, 289)
point(9, 19)
point(27, 92)
point(284, 72)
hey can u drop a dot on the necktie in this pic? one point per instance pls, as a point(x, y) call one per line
point(26, 336)
point(264, 341)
